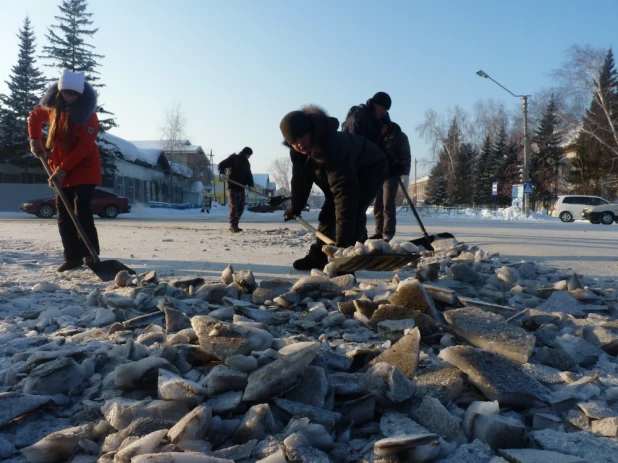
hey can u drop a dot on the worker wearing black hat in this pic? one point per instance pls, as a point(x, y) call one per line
point(238, 168)
point(348, 168)
point(367, 120)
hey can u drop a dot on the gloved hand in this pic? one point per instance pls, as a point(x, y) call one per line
point(396, 169)
point(289, 214)
point(36, 148)
point(57, 176)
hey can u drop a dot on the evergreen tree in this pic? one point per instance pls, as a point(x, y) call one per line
point(26, 85)
point(484, 175)
point(68, 49)
point(595, 168)
point(509, 175)
point(544, 163)
point(436, 187)
point(461, 189)
point(499, 160)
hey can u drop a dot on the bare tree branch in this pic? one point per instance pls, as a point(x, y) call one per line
point(281, 171)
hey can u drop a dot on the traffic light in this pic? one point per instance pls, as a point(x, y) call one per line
point(520, 173)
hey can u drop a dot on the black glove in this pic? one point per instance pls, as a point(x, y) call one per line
point(396, 170)
point(289, 214)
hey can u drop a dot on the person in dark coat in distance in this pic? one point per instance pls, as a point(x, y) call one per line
point(238, 169)
point(348, 168)
point(384, 210)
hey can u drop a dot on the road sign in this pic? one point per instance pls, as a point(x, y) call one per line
point(527, 188)
point(494, 188)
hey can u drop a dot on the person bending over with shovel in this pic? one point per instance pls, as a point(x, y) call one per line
point(348, 168)
point(69, 107)
point(241, 177)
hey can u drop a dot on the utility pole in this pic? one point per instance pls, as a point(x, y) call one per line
point(415, 162)
point(212, 172)
point(524, 108)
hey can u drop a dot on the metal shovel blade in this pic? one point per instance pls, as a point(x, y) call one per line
point(277, 201)
point(427, 241)
point(107, 270)
point(377, 263)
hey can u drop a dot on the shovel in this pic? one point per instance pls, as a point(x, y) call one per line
point(427, 239)
point(387, 262)
point(275, 201)
point(106, 270)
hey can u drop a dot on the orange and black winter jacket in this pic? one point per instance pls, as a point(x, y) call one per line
point(81, 160)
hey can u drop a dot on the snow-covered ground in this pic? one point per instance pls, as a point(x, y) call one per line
point(187, 242)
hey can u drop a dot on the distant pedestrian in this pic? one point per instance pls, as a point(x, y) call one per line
point(348, 168)
point(206, 203)
point(239, 170)
point(69, 107)
point(384, 210)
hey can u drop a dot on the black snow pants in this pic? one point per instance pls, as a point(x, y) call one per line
point(384, 209)
point(79, 196)
point(372, 179)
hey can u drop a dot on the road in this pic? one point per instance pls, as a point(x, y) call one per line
point(201, 243)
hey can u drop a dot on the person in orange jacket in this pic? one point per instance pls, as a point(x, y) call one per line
point(69, 107)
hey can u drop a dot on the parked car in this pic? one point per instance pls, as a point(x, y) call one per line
point(605, 214)
point(261, 207)
point(104, 204)
point(570, 207)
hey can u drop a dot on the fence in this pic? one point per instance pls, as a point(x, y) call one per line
point(13, 194)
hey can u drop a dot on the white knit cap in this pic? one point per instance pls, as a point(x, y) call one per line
point(71, 81)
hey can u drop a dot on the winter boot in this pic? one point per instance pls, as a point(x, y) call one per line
point(89, 261)
point(310, 262)
point(234, 229)
point(70, 264)
point(315, 258)
point(376, 236)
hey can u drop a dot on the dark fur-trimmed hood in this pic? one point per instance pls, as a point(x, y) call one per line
point(82, 110)
point(322, 124)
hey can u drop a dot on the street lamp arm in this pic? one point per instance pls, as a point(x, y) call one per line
point(481, 73)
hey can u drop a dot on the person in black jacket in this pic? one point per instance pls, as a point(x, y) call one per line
point(384, 209)
point(239, 170)
point(366, 119)
point(348, 168)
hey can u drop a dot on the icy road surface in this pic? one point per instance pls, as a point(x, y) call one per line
point(191, 243)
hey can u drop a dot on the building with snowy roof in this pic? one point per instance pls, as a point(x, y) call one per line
point(146, 174)
point(183, 153)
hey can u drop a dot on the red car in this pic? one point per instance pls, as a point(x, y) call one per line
point(261, 207)
point(104, 204)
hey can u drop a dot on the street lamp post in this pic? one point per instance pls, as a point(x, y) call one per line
point(524, 108)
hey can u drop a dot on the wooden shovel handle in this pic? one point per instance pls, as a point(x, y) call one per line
point(316, 232)
point(69, 208)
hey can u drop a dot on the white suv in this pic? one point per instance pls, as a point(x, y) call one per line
point(570, 207)
point(605, 214)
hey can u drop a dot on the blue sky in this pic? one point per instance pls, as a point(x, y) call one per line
point(237, 67)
